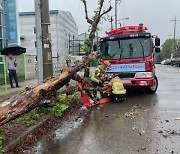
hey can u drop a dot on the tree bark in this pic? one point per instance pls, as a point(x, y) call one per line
point(94, 22)
point(41, 94)
point(97, 17)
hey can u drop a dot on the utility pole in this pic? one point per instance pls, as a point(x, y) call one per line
point(115, 14)
point(111, 21)
point(46, 39)
point(39, 41)
point(175, 23)
point(116, 11)
point(97, 38)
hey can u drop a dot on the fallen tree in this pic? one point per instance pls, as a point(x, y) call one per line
point(40, 95)
point(94, 22)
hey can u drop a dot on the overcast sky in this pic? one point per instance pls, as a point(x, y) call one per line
point(156, 14)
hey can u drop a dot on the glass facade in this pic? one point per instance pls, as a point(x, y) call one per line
point(3, 28)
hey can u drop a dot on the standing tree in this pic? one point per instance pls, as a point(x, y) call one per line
point(94, 22)
point(167, 49)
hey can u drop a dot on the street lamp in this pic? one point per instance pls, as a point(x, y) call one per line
point(127, 18)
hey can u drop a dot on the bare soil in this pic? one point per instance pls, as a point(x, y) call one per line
point(13, 130)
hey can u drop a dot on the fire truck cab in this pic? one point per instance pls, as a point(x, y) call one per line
point(130, 50)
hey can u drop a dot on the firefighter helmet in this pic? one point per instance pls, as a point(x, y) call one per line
point(107, 63)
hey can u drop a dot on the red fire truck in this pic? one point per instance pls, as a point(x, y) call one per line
point(130, 50)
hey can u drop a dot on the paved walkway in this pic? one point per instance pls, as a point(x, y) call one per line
point(6, 91)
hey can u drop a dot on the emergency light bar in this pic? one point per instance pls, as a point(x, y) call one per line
point(126, 36)
point(126, 29)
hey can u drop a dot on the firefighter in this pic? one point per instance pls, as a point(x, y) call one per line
point(118, 92)
point(100, 74)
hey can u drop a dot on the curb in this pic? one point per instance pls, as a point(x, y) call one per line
point(17, 142)
point(21, 138)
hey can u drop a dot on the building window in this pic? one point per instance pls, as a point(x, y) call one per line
point(1, 32)
point(0, 18)
point(34, 29)
point(65, 32)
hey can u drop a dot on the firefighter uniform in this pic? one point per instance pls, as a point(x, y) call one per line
point(99, 75)
point(118, 92)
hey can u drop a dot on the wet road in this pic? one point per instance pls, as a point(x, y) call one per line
point(142, 124)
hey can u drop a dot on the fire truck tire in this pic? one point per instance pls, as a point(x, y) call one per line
point(152, 89)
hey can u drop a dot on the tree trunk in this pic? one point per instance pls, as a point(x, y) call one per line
point(40, 95)
point(87, 72)
point(91, 38)
point(98, 14)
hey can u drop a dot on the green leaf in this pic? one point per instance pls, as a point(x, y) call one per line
point(87, 47)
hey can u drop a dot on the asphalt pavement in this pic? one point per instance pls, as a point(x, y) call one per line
point(143, 123)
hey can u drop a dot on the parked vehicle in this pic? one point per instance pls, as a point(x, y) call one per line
point(175, 58)
point(130, 50)
point(163, 62)
point(166, 62)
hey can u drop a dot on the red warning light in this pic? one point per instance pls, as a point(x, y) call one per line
point(127, 29)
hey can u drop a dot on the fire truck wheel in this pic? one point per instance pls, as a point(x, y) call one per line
point(152, 89)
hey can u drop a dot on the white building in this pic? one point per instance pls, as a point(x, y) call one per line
point(62, 28)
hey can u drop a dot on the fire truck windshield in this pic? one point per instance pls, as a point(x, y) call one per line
point(127, 48)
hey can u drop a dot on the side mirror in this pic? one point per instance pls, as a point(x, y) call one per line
point(157, 41)
point(157, 50)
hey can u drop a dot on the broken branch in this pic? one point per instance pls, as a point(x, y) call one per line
point(33, 97)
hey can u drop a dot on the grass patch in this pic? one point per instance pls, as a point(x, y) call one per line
point(60, 106)
point(1, 145)
point(73, 99)
point(63, 103)
point(31, 117)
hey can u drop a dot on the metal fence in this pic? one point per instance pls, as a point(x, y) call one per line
point(3, 76)
point(75, 47)
point(21, 67)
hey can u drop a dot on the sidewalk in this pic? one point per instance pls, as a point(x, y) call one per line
point(6, 91)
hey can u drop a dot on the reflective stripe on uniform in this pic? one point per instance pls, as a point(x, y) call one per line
point(98, 72)
point(118, 88)
point(97, 76)
point(93, 78)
